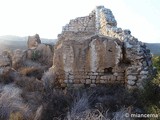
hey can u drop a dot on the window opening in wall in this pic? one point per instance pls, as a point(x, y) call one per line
point(108, 71)
point(110, 50)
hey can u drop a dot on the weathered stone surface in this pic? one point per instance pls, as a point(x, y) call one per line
point(131, 82)
point(33, 41)
point(5, 59)
point(38, 51)
point(18, 57)
point(94, 48)
point(130, 77)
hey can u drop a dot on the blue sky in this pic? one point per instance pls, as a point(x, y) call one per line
point(46, 17)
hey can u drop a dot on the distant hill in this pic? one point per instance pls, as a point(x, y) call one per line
point(154, 47)
point(10, 42)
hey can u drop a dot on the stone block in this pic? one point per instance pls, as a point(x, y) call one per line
point(103, 77)
point(144, 73)
point(93, 81)
point(88, 81)
point(131, 87)
point(93, 85)
point(63, 85)
point(83, 81)
point(102, 81)
point(66, 81)
point(97, 81)
point(95, 74)
point(93, 77)
point(120, 78)
point(70, 81)
point(71, 77)
point(131, 82)
point(131, 77)
point(76, 81)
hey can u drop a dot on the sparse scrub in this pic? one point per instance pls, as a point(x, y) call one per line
point(30, 63)
point(88, 115)
point(150, 96)
point(16, 116)
point(11, 101)
point(30, 84)
point(120, 115)
point(43, 100)
point(5, 75)
point(80, 104)
point(38, 113)
point(49, 80)
point(111, 98)
point(32, 72)
point(56, 105)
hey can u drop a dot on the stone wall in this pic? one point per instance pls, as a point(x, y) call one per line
point(91, 50)
point(135, 51)
point(86, 23)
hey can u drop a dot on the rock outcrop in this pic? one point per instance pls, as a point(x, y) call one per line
point(38, 51)
point(33, 41)
point(92, 50)
point(18, 57)
point(5, 59)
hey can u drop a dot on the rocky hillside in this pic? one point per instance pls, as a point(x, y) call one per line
point(95, 71)
point(10, 42)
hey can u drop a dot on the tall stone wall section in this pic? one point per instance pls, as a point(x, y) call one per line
point(135, 51)
point(91, 50)
point(89, 61)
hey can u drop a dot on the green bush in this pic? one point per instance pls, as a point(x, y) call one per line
point(156, 62)
point(150, 95)
point(36, 55)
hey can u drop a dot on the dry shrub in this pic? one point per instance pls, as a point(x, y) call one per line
point(30, 84)
point(120, 115)
point(55, 106)
point(27, 70)
point(6, 75)
point(16, 116)
point(80, 104)
point(30, 63)
point(38, 113)
point(12, 102)
point(88, 115)
point(112, 97)
point(101, 103)
point(49, 80)
point(32, 72)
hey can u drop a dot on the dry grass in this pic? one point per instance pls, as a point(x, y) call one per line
point(49, 81)
point(36, 72)
point(30, 84)
point(11, 102)
point(28, 70)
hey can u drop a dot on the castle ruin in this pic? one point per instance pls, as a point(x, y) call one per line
point(92, 50)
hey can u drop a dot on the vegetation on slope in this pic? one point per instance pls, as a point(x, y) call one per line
point(31, 93)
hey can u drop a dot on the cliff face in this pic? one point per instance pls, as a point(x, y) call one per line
point(92, 50)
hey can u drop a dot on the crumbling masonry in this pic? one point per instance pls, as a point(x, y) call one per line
point(92, 50)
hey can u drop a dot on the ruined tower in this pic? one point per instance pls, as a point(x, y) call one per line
point(92, 50)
